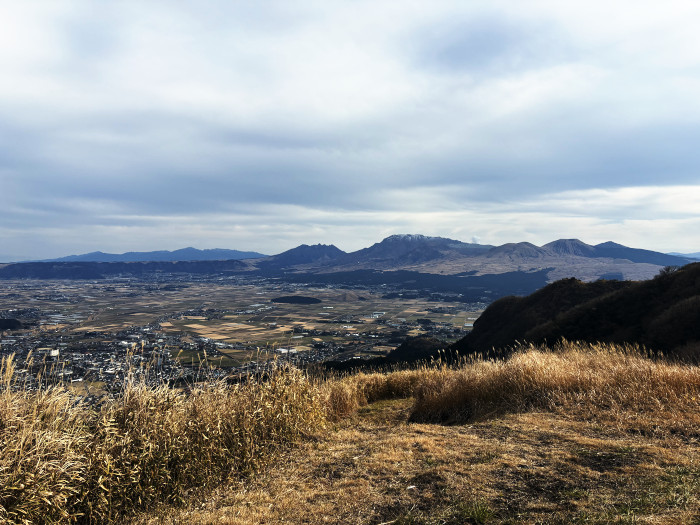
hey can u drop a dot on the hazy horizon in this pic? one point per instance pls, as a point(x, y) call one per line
point(137, 126)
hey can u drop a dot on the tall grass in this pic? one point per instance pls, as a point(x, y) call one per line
point(593, 379)
point(43, 458)
point(62, 461)
point(344, 395)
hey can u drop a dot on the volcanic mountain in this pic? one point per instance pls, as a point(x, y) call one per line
point(303, 255)
point(517, 252)
point(421, 259)
point(407, 252)
point(561, 258)
point(571, 247)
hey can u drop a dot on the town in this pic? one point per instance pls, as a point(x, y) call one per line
point(93, 335)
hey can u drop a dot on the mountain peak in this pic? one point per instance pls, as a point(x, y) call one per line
point(609, 244)
point(570, 247)
point(408, 237)
point(518, 249)
point(304, 254)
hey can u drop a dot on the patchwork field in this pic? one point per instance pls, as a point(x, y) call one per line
point(233, 314)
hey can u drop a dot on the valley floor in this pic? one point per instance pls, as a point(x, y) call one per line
point(533, 467)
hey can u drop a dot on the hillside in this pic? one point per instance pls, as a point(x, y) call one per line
point(617, 251)
point(551, 438)
point(661, 313)
point(539, 468)
point(572, 434)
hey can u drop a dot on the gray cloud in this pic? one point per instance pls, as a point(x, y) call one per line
point(492, 43)
point(255, 127)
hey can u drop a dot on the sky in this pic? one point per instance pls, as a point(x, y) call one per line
point(262, 125)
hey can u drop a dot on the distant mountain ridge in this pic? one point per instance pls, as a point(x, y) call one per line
point(397, 250)
point(564, 258)
point(695, 255)
point(411, 254)
point(183, 254)
point(612, 250)
point(420, 247)
point(401, 251)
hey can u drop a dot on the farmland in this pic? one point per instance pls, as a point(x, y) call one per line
point(232, 320)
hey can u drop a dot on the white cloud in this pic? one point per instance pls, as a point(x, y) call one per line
point(641, 202)
point(497, 119)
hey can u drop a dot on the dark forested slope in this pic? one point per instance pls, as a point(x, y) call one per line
point(662, 314)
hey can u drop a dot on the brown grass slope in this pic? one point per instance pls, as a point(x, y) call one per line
point(586, 434)
point(579, 433)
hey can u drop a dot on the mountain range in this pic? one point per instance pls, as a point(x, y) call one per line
point(398, 252)
point(410, 261)
point(439, 255)
point(184, 254)
point(695, 255)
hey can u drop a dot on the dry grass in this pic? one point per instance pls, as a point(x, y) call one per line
point(579, 433)
point(596, 381)
point(345, 395)
point(43, 437)
point(533, 467)
point(62, 461)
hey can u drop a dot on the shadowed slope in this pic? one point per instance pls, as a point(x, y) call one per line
point(661, 313)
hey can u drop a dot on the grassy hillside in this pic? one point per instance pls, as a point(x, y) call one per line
point(588, 434)
point(585, 434)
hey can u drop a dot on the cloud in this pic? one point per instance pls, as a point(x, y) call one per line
point(638, 217)
point(242, 123)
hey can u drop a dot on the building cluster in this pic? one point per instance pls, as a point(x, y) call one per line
point(83, 359)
